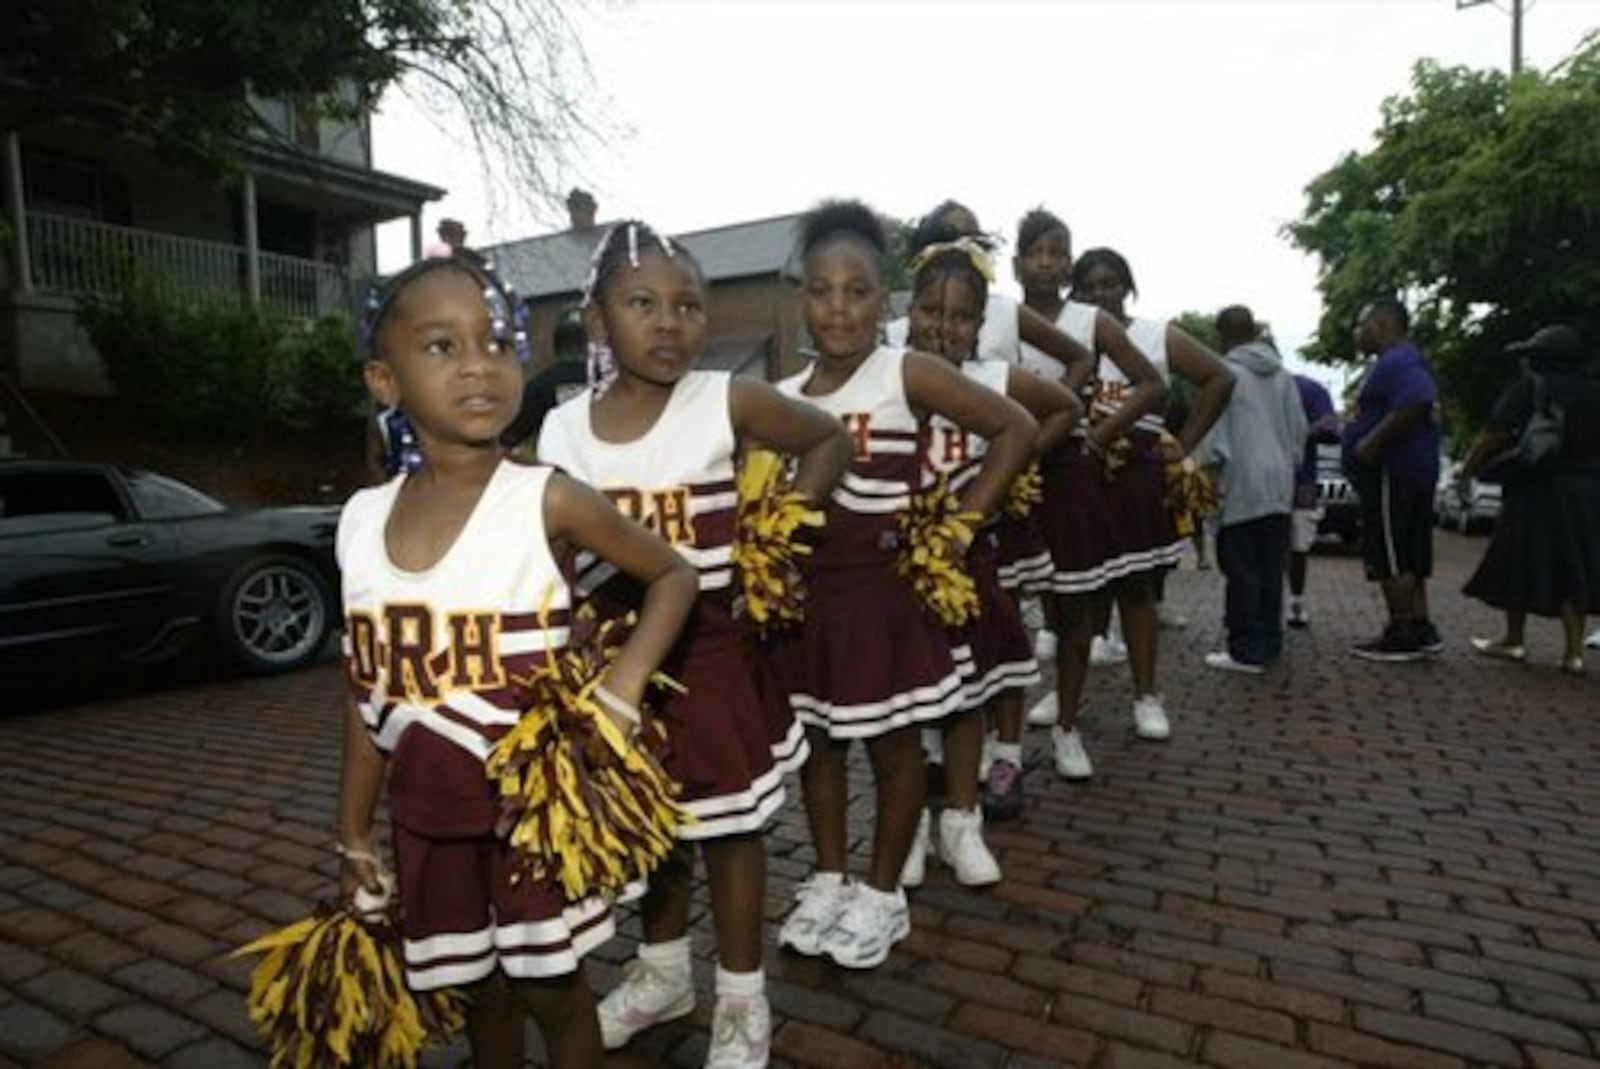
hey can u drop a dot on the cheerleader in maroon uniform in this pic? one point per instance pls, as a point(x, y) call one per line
point(1144, 541)
point(1077, 517)
point(869, 661)
point(453, 597)
point(948, 295)
point(660, 439)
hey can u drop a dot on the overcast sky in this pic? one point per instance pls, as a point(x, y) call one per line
point(1180, 132)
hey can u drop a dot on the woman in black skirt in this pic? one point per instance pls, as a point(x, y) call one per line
point(1544, 556)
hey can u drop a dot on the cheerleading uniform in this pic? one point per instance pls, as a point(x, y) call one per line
point(1073, 517)
point(433, 658)
point(730, 736)
point(1140, 531)
point(868, 658)
point(1001, 654)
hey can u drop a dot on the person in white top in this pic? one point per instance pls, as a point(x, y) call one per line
point(1145, 541)
point(453, 596)
point(1076, 514)
point(662, 440)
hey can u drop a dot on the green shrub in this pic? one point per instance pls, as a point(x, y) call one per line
point(213, 365)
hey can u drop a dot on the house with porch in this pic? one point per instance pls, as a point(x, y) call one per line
point(293, 231)
point(750, 270)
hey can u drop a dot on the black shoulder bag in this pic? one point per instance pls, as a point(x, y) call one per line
point(1537, 449)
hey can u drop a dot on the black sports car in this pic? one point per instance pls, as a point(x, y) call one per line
point(102, 564)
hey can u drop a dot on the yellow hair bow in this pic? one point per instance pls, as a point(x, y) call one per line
point(970, 247)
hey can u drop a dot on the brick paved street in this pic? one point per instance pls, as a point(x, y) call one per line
point(1337, 864)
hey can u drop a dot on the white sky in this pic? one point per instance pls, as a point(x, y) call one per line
point(1180, 132)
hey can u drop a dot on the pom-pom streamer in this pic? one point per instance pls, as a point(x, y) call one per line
point(934, 536)
point(768, 544)
point(1025, 492)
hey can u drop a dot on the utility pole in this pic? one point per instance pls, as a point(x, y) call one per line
point(1516, 29)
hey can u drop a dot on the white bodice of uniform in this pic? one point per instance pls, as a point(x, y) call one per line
point(1076, 321)
point(1149, 336)
point(439, 649)
point(952, 450)
point(676, 479)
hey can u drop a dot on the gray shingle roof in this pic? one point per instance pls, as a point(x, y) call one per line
point(553, 264)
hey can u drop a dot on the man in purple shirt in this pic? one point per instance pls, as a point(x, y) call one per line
point(1391, 453)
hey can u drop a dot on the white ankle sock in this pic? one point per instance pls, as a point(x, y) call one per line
point(741, 984)
point(933, 746)
point(669, 957)
point(1007, 751)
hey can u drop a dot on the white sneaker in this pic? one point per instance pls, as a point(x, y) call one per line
point(1593, 641)
point(961, 846)
point(873, 921)
point(647, 996)
point(741, 1033)
point(1298, 619)
point(1224, 660)
point(818, 903)
point(1044, 644)
point(1105, 651)
point(1044, 712)
point(1072, 760)
point(915, 868)
point(1150, 719)
point(1170, 618)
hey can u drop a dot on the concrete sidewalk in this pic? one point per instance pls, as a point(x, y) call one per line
point(1335, 864)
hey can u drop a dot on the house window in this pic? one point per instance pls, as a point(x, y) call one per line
point(62, 185)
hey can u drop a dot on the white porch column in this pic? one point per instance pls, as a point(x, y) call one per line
point(416, 236)
point(252, 243)
point(17, 208)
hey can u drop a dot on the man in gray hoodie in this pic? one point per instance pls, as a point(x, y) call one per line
point(1256, 446)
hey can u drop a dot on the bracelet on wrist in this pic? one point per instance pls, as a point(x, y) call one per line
point(626, 710)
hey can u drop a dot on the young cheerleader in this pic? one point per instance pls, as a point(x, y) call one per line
point(948, 293)
point(869, 662)
point(660, 439)
point(452, 595)
point(1076, 517)
point(1143, 541)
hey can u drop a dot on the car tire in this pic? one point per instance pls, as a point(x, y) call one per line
point(274, 614)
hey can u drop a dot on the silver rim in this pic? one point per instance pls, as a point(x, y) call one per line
point(278, 614)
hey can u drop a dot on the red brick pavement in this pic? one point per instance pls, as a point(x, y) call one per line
point(1336, 864)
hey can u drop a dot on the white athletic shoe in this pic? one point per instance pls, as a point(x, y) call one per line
point(1044, 644)
point(1150, 718)
point(873, 921)
point(647, 996)
point(915, 869)
point(1224, 660)
point(1072, 760)
point(1170, 618)
point(1044, 712)
point(961, 846)
point(1104, 651)
point(818, 903)
point(741, 1033)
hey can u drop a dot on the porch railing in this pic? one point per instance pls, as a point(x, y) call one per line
point(78, 256)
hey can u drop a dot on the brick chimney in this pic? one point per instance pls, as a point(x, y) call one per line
point(580, 209)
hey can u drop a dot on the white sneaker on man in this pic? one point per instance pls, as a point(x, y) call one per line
point(915, 869)
point(961, 846)
point(648, 995)
point(1105, 650)
point(1150, 718)
point(741, 1033)
point(1072, 760)
point(873, 921)
point(1044, 712)
point(1044, 644)
point(819, 901)
point(1224, 660)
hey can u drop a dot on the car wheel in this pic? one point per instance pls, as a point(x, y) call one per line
point(274, 614)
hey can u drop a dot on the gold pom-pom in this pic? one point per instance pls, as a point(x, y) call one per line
point(1190, 493)
point(767, 546)
point(934, 536)
point(330, 991)
point(1025, 491)
point(581, 803)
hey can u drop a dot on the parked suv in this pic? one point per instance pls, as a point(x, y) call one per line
point(1467, 505)
point(1341, 511)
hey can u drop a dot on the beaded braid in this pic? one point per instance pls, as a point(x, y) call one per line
point(627, 237)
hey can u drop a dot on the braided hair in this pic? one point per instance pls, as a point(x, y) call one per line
point(620, 246)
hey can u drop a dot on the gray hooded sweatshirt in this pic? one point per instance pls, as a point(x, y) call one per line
point(1261, 436)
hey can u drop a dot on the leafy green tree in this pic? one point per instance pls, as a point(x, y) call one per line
point(183, 74)
point(1479, 205)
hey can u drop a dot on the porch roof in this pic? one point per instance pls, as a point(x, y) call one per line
point(360, 195)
